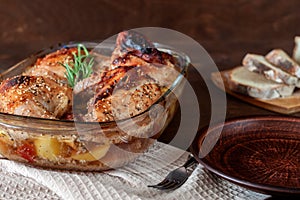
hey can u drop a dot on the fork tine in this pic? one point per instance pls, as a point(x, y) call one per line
point(170, 185)
point(165, 185)
point(164, 182)
point(159, 185)
point(173, 185)
point(177, 177)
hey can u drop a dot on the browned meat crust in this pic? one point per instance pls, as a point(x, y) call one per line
point(34, 96)
point(51, 65)
point(137, 77)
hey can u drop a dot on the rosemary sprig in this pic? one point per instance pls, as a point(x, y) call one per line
point(81, 67)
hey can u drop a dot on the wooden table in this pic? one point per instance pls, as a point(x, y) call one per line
point(226, 29)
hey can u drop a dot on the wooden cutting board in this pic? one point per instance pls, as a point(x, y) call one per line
point(286, 105)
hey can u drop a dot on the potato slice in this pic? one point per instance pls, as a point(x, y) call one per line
point(48, 147)
point(94, 154)
point(5, 138)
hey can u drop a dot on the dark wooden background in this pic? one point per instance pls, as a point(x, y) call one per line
point(226, 29)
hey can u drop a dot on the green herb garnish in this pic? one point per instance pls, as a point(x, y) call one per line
point(81, 67)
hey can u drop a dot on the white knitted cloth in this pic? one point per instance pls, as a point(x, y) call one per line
point(18, 181)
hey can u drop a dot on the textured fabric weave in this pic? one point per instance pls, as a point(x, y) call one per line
point(18, 181)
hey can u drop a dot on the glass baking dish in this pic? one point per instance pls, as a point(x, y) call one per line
point(87, 146)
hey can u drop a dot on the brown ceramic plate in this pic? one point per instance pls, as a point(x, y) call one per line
point(259, 153)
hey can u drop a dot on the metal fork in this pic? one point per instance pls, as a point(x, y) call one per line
point(177, 177)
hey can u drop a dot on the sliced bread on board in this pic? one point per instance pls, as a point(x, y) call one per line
point(258, 63)
point(283, 61)
point(256, 85)
point(296, 51)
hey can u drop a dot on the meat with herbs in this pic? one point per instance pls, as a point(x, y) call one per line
point(130, 81)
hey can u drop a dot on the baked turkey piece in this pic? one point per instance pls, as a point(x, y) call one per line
point(137, 72)
point(139, 75)
point(51, 65)
point(34, 96)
